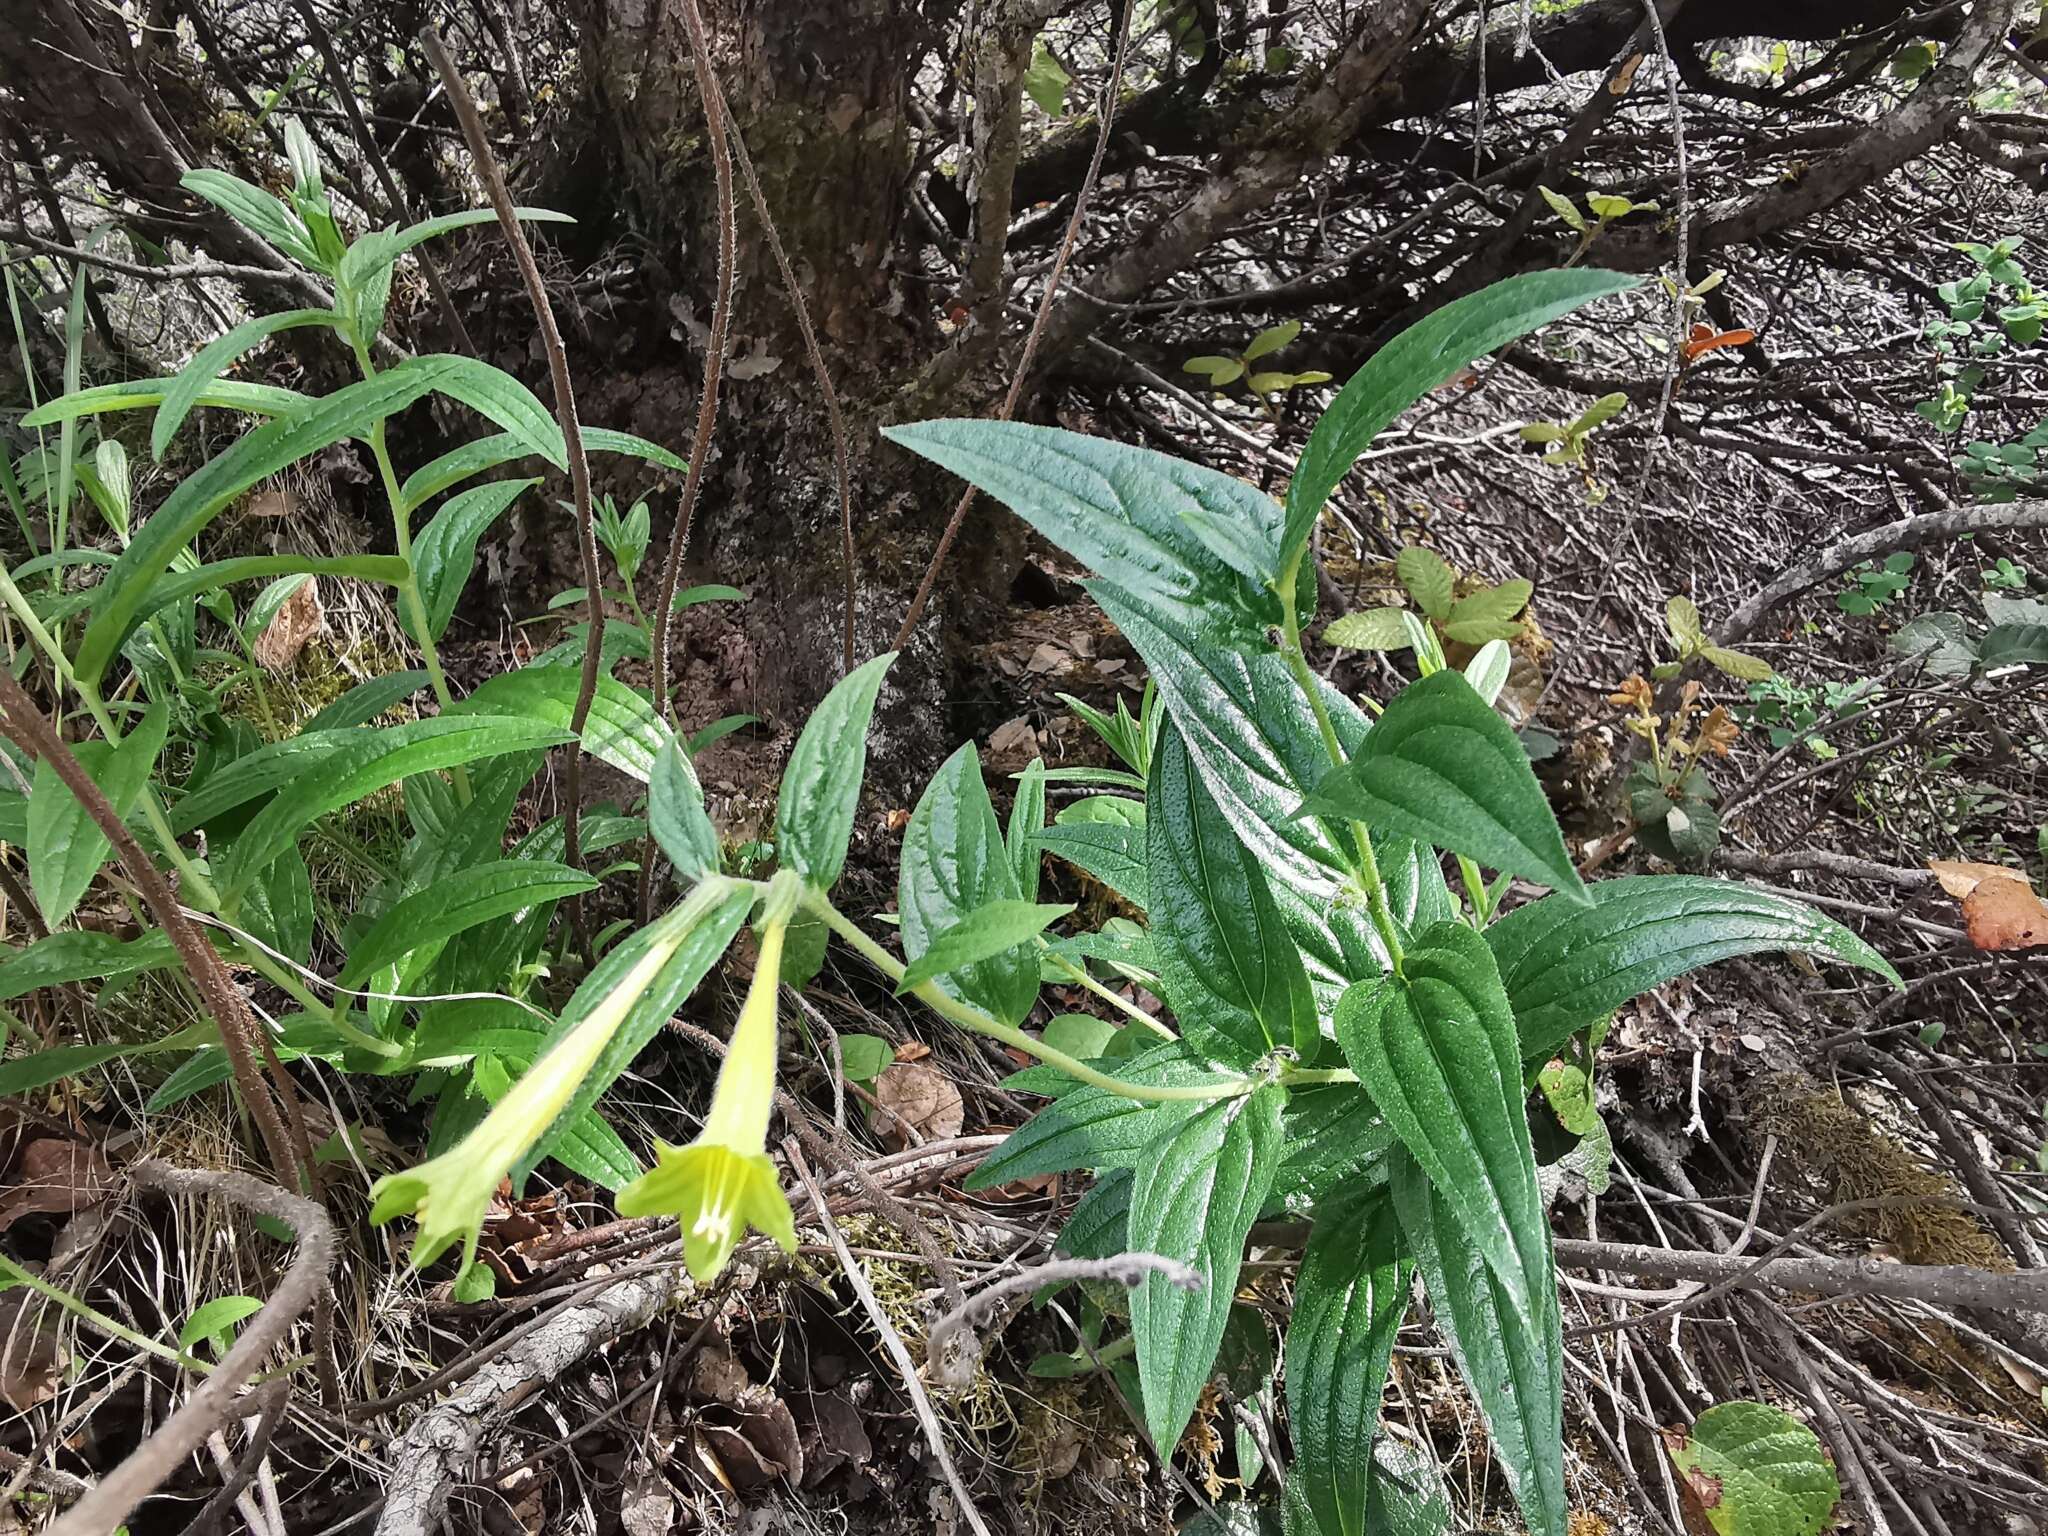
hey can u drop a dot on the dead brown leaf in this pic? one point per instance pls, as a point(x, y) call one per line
point(31, 1360)
point(2005, 914)
point(920, 1098)
point(717, 1376)
point(295, 623)
point(739, 1461)
point(1013, 738)
point(55, 1177)
point(834, 1436)
point(1959, 877)
point(275, 502)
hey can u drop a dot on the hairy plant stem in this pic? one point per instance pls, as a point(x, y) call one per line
point(493, 176)
point(1304, 675)
point(241, 1036)
point(191, 879)
point(1078, 974)
point(976, 1022)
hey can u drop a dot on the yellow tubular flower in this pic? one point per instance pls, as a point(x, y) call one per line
point(722, 1183)
point(450, 1194)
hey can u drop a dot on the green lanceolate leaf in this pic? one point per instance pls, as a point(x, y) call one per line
point(1098, 1128)
point(1251, 736)
point(821, 786)
point(379, 248)
point(367, 700)
point(177, 586)
point(1227, 961)
point(1435, 1047)
point(1512, 1359)
point(1337, 1144)
point(1440, 766)
point(1425, 355)
point(712, 917)
point(676, 815)
point(989, 932)
point(38, 1069)
point(1195, 1195)
point(1099, 1226)
point(955, 865)
point(278, 906)
point(255, 774)
point(1112, 853)
point(1757, 1471)
point(256, 210)
point(80, 954)
point(1348, 1305)
point(459, 901)
point(148, 394)
point(1198, 547)
point(202, 496)
point(589, 1146)
point(374, 760)
point(1027, 820)
point(192, 381)
point(473, 458)
point(445, 552)
point(622, 728)
point(65, 845)
point(1567, 966)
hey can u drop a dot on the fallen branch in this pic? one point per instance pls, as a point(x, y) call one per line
point(934, 1435)
point(435, 1452)
point(1941, 1285)
point(1906, 533)
point(215, 1400)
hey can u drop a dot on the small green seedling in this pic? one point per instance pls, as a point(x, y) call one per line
point(2005, 576)
point(1603, 209)
point(1486, 613)
point(1267, 384)
point(1670, 798)
point(1682, 621)
point(1871, 586)
point(1571, 442)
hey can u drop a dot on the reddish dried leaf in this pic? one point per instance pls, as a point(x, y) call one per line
point(2005, 914)
point(1705, 339)
point(1959, 877)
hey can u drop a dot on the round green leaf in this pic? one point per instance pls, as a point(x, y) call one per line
point(1757, 1471)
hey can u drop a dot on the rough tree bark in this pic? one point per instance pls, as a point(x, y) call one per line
point(818, 91)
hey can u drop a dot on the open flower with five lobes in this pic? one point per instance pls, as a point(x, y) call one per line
point(450, 1194)
point(722, 1183)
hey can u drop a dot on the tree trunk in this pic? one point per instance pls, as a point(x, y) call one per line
point(817, 90)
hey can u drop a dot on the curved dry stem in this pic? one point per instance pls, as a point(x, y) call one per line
point(239, 1031)
point(572, 440)
point(214, 1401)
